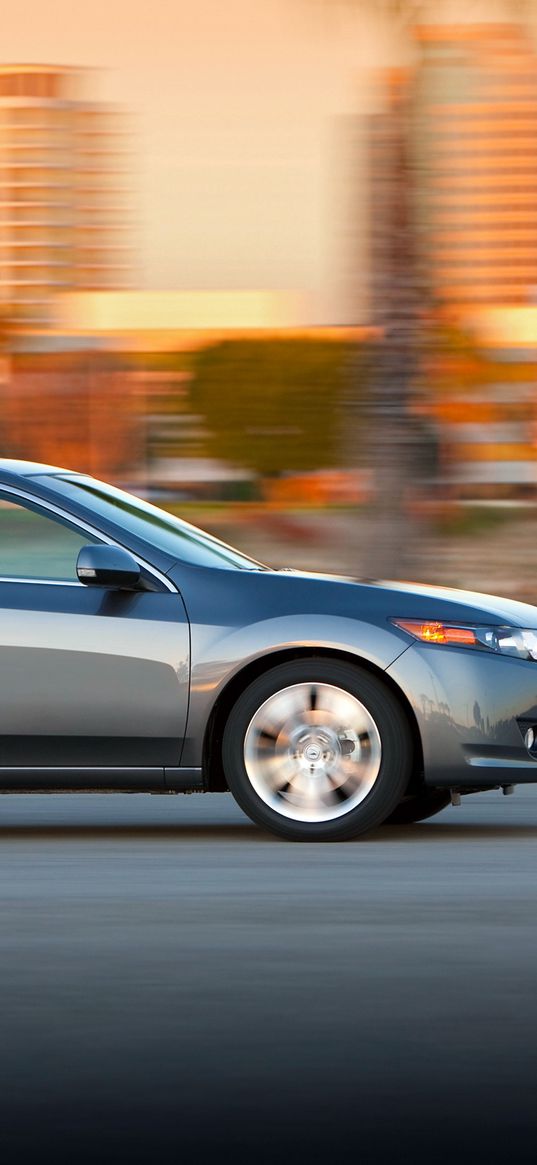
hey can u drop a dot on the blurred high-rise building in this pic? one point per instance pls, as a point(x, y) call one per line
point(63, 195)
point(474, 144)
point(475, 139)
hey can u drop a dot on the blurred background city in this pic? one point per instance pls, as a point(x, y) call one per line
point(275, 267)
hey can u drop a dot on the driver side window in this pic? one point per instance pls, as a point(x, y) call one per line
point(38, 545)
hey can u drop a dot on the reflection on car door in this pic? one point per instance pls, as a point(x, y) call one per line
point(90, 677)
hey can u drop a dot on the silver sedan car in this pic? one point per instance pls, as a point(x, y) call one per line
point(141, 654)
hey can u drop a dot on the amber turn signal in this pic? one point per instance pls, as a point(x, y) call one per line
point(433, 632)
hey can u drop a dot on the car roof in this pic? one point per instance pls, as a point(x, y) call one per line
point(11, 467)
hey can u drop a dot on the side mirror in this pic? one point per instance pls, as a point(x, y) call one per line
point(107, 566)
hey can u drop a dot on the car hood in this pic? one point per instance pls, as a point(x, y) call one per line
point(426, 601)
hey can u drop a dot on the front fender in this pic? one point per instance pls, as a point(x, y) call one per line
point(219, 654)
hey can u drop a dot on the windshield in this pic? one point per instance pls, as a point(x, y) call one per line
point(162, 530)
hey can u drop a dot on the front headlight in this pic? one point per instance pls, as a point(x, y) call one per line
point(502, 640)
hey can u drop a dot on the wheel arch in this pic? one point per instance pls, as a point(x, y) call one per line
point(215, 780)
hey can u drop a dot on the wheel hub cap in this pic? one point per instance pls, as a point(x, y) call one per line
point(312, 752)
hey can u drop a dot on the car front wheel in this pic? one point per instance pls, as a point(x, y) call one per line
point(317, 750)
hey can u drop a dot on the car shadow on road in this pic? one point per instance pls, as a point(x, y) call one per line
point(419, 833)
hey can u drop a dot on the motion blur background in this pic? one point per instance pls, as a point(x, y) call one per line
point(273, 263)
point(275, 266)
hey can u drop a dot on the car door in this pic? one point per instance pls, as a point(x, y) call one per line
point(91, 679)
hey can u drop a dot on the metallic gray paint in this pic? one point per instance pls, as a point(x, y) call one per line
point(69, 675)
point(109, 673)
point(468, 705)
point(220, 654)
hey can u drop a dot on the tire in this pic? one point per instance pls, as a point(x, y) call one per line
point(317, 750)
point(419, 806)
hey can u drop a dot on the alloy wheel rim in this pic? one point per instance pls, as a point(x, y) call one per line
point(312, 752)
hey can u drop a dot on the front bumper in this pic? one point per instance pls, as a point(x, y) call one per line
point(472, 709)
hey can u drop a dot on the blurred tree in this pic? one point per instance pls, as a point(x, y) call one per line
point(273, 405)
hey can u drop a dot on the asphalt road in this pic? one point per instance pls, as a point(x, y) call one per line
point(176, 985)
